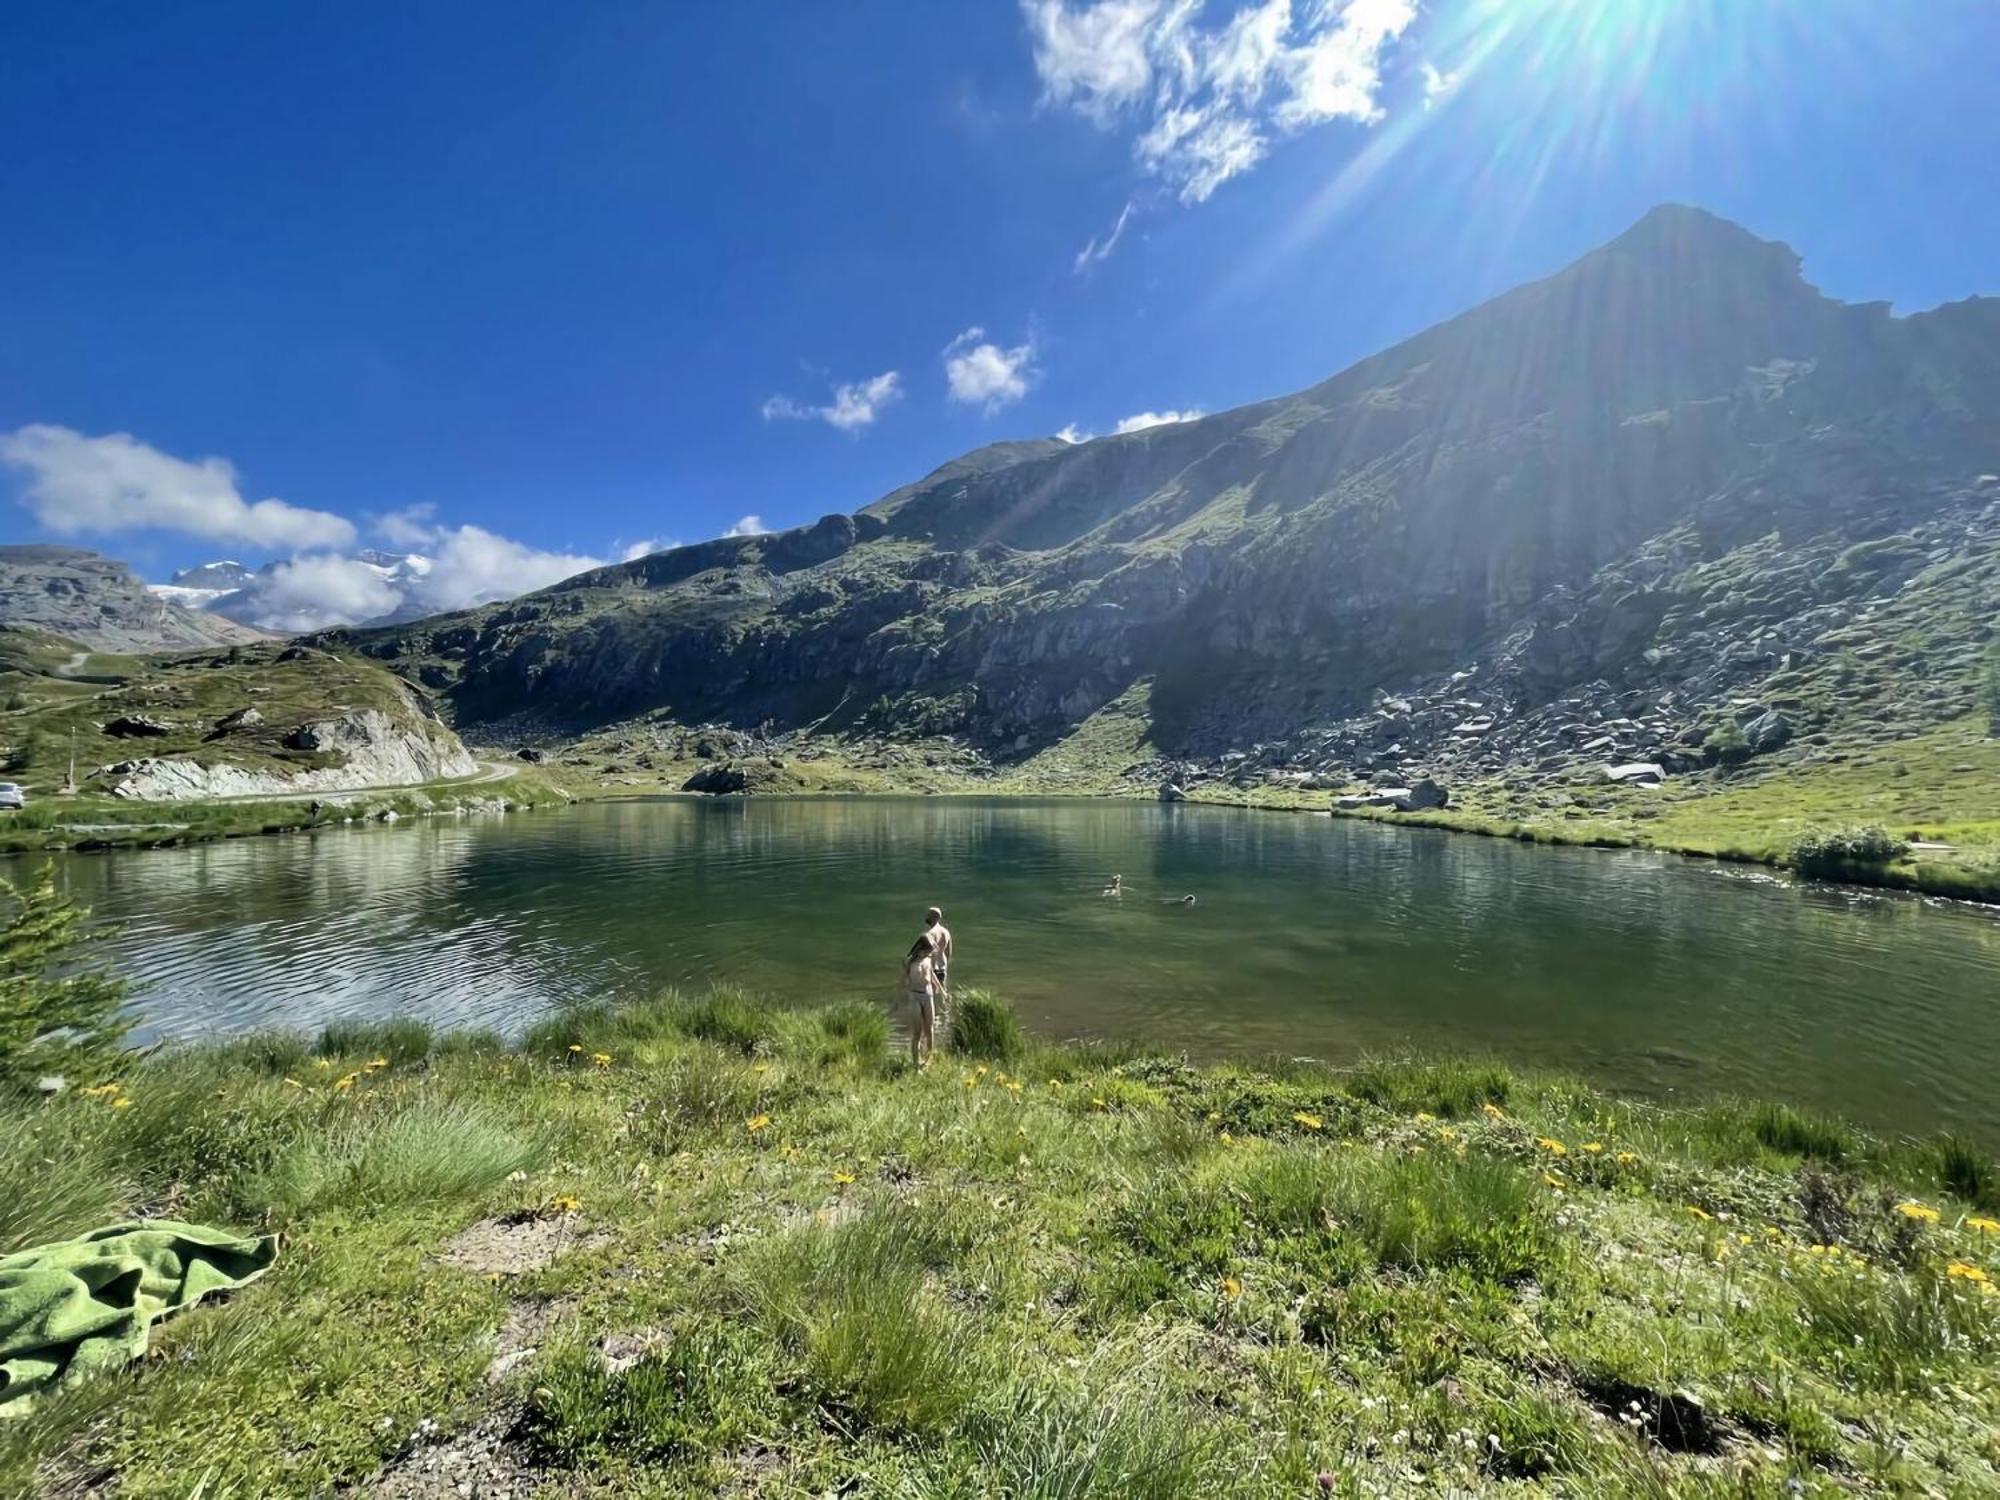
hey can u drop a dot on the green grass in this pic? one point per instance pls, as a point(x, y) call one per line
point(774, 1260)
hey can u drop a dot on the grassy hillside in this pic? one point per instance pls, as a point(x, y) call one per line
point(719, 1244)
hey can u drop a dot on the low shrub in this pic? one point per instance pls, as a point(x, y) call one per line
point(706, 1391)
point(983, 1026)
point(1830, 853)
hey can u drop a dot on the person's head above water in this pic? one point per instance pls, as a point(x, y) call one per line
point(933, 917)
point(1187, 901)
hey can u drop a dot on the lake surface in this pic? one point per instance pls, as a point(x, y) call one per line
point(1313, 936)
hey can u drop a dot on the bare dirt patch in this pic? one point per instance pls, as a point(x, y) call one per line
point(512, 1244)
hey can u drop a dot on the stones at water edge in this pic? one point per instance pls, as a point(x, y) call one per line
point(1639, 773)
point(1171, 793)
point(1425, 796)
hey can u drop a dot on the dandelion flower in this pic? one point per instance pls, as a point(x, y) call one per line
point(1626, 1158)
point(564, 1203)
point(1422, 1118)
point(1963, 1272)
point(1056, 1084)
point(1492, 1111)
point(1553, 1147)
point(1983, 1226)
point(576, 1049)
point(843, 1179)
point(1098, 1103)
point(1226, 1138)
point(1231, 1287)
point(344, 1082)
point(1552, 1180)
point(1700, 1213)
point(602, 1059)
point(1310, 1122)
point(1595, 1148)
point(375, 1063)
point(1923, 1213)
point(756, 1123)
point(121, 1102)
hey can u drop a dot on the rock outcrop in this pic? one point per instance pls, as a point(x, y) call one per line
point(368, 748)
point(101, 604)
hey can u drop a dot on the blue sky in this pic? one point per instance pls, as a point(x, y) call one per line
point(583, 276)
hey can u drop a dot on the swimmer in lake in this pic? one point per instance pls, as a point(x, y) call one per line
point(1177, 901)
point(1117, 886)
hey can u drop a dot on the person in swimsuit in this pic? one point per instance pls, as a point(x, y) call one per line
point(920, 996)
point(1117, 886)
point(940, 936)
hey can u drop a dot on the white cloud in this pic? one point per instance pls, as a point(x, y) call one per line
point(412, 526)
point(315, 593)
point(1072, 434)
point(752, 525)
point(855, 404)
point(1208, 100)
point(117, 483)
point(644, 547)
point(1140, 421)
point(1095, 251)
point(1436, 84)
point(981, 373)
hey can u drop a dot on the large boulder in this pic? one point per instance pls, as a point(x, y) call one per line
point(1638, 773)
point(137, 727)
point(244, 718)
point(1769, 731)
point(1171, 793)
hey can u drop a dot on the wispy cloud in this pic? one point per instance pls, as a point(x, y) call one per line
point(1073, 434)
point(1436, 84)
point(1207, 101)
point(1139, 421)
point(855, 404)
point(645, 547)
point(980, 373)
point(78, 484)
point(748, 526)
point(1097, 249)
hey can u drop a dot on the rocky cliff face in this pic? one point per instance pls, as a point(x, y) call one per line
point(369, 749)
point(1638, 488)
point(101, 604)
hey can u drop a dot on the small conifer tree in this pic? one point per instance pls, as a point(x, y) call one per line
point(60, 1014)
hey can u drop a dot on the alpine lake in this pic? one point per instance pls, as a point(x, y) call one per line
point(1308, 936)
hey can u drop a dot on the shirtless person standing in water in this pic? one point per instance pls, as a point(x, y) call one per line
point(940, 936)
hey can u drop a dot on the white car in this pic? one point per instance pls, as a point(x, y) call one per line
point(11, 796)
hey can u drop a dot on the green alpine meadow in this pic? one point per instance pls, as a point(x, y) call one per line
point(719, 1243)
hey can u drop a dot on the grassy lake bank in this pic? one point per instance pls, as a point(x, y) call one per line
point(723, 1243)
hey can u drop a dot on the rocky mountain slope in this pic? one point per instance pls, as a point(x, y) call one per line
point(101, 604)
point(1669, 497)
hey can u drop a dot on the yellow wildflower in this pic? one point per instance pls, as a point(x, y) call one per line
point(1226, 1138)
point(1700, 1213)
point(1626, 1158)
point(1964, 1272)
point(1056, 1084)
point(576, 1049)
point(344, 1082)
point(842, 1179)
point(1983, 1226)
point(602, 1059)
point(1595, 1148)
point(294, 1083)
point(1310, 1122)
point(1923, 1213)
point(375, 1064)
point(761, 1069)
point(564, 1203)
point(970, 1081)
point(1492, 1111)
point(1424, 1119)
point(121, 1102)
point(322, 1062)
point(1552, 1180)
point(1553, 1147)
point(1231, 1287)
point(756, 1123)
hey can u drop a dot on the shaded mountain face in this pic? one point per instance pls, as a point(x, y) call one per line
point(1501, 485)
point(101, 604)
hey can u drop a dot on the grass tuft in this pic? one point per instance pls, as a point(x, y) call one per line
point(426, 1154)
point(985, 1027)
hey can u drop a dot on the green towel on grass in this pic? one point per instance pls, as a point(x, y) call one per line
point(89, 1303)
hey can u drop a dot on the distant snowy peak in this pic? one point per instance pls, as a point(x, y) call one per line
point(261, 598)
